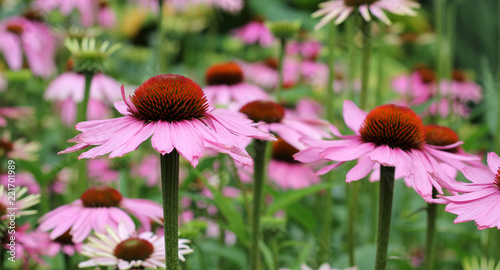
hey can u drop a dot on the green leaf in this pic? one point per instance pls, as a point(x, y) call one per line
point(267, 255)
point(230, 253)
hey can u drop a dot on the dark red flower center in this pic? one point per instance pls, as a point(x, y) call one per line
point(441, 136)
point(103, 3)
point(101, 197)
point(6, 145)
point(272, 63)
point(356, 3)
point(497, 179)
point(459, 76)
point(394, 126)
point(169, 98)
point(70, 64)
point(265, 111)
point(283, 151)
point(134, 249)
point(15, 28)
point(33, 15)
point(224, 74)
point(65, 238)
point(3, 209)
point(427, 75)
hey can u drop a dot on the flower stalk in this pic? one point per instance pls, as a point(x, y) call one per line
point(281, 60)
point(162, 61)
point(81, 117)
point(431, 231)
point(365, 63)
point(384, 216)
point(170, 195)
point(259, 176)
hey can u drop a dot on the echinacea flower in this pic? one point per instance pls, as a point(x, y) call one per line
point(23, 179)
point(174, 111)
point(389, 135)
point(18, 149)
point(339, 10)
point(265, 73)
point(255, 32)
point(308, 49)
point(21, 204)
point(288, 126)
point(478, 200)
point(96, 208)
point(123, 248)
point(15, 113)
point(99, 169)
point(18, 34)
point(30, 244)
point(416, 88)
point(64, 243)
point(225, 86)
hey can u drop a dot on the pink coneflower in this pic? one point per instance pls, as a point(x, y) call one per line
point(255, 32)
point(286, 172)
point(67, 110)
point(123, 248)
point(287, 126)
point(30, 245)
point(23, 179)
point(339, 10)
point(479, 199)
point(18, 34)
point(225, 86)
point(390, 135)
point(64, 243)
point(18, 149)
point(96, 208)
point(265, 73)
point(100, 170)
point(309, 49)
point(87, 9)
point(15, 113)
point(149, 169)
point(174, 111)
point(417, 87)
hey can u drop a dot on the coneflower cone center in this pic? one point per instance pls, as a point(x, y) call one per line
point(15, 28)
point(356, 3)
point(3, 209)
point(265, 111)
point(441, 136)
point(459, 76)
point(394, 126)
point(133, 249)
point(283, 151)
point(169, 98)
point(65, 238)
point(497, 178)
point(427, 75)
point(101, 197)
point(272, 63)
point(224, 74)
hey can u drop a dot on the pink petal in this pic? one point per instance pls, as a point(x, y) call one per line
point(353, 116)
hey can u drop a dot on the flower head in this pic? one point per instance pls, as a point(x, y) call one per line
point(255, 32)
point(339, 10)
point(123, 248)
point(174, 111)
point(22, 202)
point(96, 208)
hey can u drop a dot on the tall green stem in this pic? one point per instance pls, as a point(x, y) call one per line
point(431, 231)
point(162, 61)
point(351, 220)
point(170, 194)
point(281, 63)
point(259, 176)
point(365, 64)
point(352, 51)
point(81, 117)
point(439, 6)
point(67, 261)
point(497, 138)
point(380, 64)
point(331, 73)
point(384, 216)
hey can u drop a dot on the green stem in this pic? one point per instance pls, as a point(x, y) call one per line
point(281, 62)
point(244, 192)
point(259, 176)
point(349, 40)
point(497, 138)
point(275, 251)
point(451, 17)
point(380, 66)
point(331, 74)
point(162, 61)
point(351, 220)
point(431, 231)
point(170, 195)
point(67, 261)
point(82, 109)
point(384, 217)
point(439, 6)
point(365, 63)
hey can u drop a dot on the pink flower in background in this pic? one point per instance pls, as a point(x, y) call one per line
point(124, 248)
point(18, 149)
point(479, 200)
point(15, 113)
point(225, 86)
point(23, 179)
point(265, 73)
point(339, 10)
point(255, 32)
point(174, 111)
point(286, 172)
point(22, 202)
point(307, 108)
point(308, 49)
point(87, 9)
point(400, 143)
point(288, 126)
point(100, 170)
point(97, 208)
point(64, 243)
point(18, 35)
point(31, 245)
point(149, 169)
point(417, 87)
point(68, 89)
point(60, 183)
